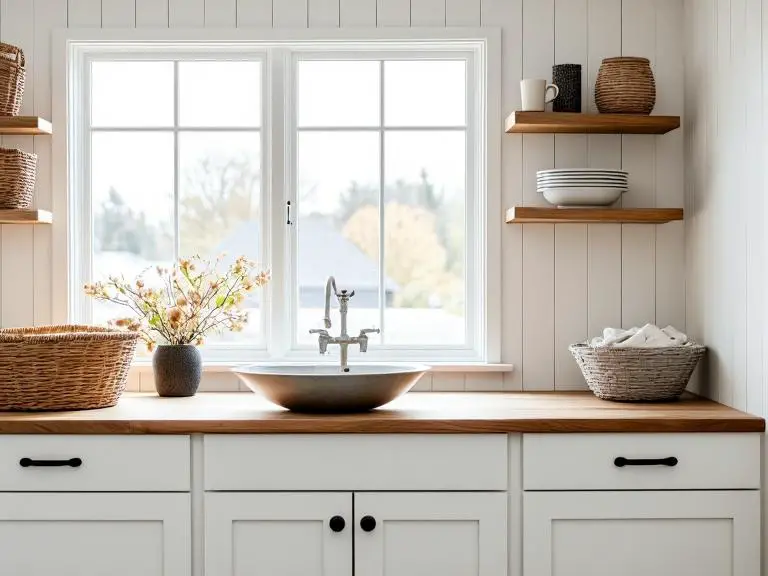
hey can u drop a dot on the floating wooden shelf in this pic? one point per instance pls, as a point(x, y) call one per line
point(547, 215)
point(25, 217)
point(24, 125)
point(569, 123)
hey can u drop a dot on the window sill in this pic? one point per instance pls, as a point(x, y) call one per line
point(462, 367)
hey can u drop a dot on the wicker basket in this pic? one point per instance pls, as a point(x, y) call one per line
point(637, 374)
point(625, 86)
point(63, 367)
point(12, 77)
point(17, 178)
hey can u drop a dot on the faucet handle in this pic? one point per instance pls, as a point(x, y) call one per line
point(322, 341)
point(363, 338)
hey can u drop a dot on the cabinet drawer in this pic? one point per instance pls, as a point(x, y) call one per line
point(356, 462)
point(107, 463)
point(589, 461)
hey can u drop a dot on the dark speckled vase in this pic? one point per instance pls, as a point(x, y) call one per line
point(177, 369)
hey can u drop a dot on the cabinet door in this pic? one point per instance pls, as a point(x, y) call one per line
point(429, 534)
point(277, 534)
point(95, 534)
point(641, 533)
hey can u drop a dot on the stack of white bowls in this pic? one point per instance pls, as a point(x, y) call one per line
point(585, 187)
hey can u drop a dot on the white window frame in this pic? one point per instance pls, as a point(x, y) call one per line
point(71, 229)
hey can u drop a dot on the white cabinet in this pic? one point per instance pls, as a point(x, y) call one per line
point(381, 505)
point(389, 534)
point(95, 534)
point(694, 533)
point(278, 534)
point(425, 534)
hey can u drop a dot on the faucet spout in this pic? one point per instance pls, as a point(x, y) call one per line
point(330, 284)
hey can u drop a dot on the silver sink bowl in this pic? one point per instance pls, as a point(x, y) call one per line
point(313, 388)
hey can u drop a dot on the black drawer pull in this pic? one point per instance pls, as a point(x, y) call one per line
point(72, 462)
point(620, 462)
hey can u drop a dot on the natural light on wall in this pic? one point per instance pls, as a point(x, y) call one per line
point(380, 161)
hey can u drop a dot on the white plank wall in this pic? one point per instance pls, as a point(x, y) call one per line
point(726, 43)
point(254, 13)
point(538, 272)
point(571, 241)
point(17, 19)
point(604, 262)
point(508, 15)
point(560, 283)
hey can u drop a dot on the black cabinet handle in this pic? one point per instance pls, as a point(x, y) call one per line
point(72, 462)
point(368, 523)
point(337, 523)
point(620, 462)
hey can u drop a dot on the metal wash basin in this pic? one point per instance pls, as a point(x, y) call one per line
point(327, 388)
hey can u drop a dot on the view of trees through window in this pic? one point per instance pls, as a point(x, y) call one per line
point(142, 217)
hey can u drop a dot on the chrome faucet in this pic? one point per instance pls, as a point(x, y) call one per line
point(343, 339)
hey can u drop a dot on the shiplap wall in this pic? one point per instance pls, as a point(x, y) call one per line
point(726, 77)
point(560, 284)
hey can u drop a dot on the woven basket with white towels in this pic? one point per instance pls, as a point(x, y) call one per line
point(648, 364)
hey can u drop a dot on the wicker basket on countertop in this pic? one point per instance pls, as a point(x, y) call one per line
point(625, 86)
point(17, 178)
point(63, 367)
point(12, 77)
point(637, 374)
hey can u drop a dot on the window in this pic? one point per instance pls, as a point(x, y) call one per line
point(367, 161)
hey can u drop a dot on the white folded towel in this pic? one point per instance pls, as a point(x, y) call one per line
point(649, 336)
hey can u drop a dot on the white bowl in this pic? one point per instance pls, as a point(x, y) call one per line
point(581, 196)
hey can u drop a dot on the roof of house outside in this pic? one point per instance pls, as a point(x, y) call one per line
point(324, 252)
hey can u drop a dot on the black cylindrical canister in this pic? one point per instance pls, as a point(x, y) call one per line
point(567, 77)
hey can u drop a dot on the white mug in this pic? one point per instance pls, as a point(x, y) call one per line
point(534, 93)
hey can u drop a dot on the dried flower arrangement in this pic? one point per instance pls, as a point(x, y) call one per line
point(192, 300)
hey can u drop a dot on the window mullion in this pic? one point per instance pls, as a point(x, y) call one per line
point(176, 165)
point(82, 205)
point(382, 284)
point(281, 309)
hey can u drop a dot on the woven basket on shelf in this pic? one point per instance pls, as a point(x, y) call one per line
point(63, 367)
point(625, 86)
point(17, 178)
point(637, 374)
point(12, 77)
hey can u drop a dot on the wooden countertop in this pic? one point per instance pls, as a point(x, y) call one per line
point(433, 412)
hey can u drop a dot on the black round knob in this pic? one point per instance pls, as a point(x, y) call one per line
point(368, 523)
point(337, 523)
